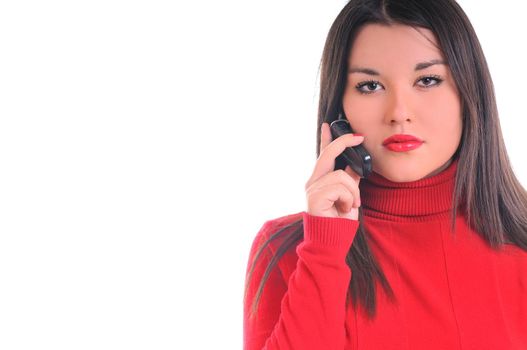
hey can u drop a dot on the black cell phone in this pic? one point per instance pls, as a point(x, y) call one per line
point(356, 157)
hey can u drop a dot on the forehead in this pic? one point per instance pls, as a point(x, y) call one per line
point(384, 45)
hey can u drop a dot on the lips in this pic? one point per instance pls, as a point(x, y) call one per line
point(402, 143)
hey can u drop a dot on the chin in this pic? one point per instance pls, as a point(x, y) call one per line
point(401, 177)
point(401, 172)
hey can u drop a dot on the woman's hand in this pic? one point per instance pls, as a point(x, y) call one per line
point(329, 192)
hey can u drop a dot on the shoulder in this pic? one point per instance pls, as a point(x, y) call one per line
point(277, 230)
point(282, 221)
point(289, 223)
point(282, 235)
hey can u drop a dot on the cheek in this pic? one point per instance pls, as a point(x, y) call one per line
point(445, 114)
point(363, 114)
point(445, 127)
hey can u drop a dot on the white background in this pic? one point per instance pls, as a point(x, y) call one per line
point(142, 146)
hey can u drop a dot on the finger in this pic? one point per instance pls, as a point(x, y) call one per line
point(356, 178)
point(339, 177)
point(325, 140)
point(334, 194)
point(325, 136)
point(352, 173)
point(326, 159)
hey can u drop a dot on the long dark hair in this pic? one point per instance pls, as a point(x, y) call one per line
point(486, 189)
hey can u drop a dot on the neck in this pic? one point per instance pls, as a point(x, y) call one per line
point(430, 198)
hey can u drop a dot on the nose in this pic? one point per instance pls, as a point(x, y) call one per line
point(398, 110)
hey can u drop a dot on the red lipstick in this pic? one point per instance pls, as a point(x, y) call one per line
point(402, 143)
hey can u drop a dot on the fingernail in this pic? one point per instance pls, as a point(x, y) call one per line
point(357, 134)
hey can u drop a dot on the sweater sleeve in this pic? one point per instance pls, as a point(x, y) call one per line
point(307, 311)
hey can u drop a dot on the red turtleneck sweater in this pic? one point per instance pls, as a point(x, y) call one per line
point(452, 290)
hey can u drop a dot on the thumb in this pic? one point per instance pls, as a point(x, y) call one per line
point(353, 214)
point(351, 173)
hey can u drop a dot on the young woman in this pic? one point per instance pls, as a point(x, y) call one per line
point(430, 250)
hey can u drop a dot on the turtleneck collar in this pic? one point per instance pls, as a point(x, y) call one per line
point(422, 200)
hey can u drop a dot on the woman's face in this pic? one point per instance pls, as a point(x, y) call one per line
point(392, 90)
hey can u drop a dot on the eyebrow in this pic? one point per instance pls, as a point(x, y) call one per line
point(418, 67)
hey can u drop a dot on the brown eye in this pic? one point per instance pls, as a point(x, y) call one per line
point(369, 85)
point(431, 80)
